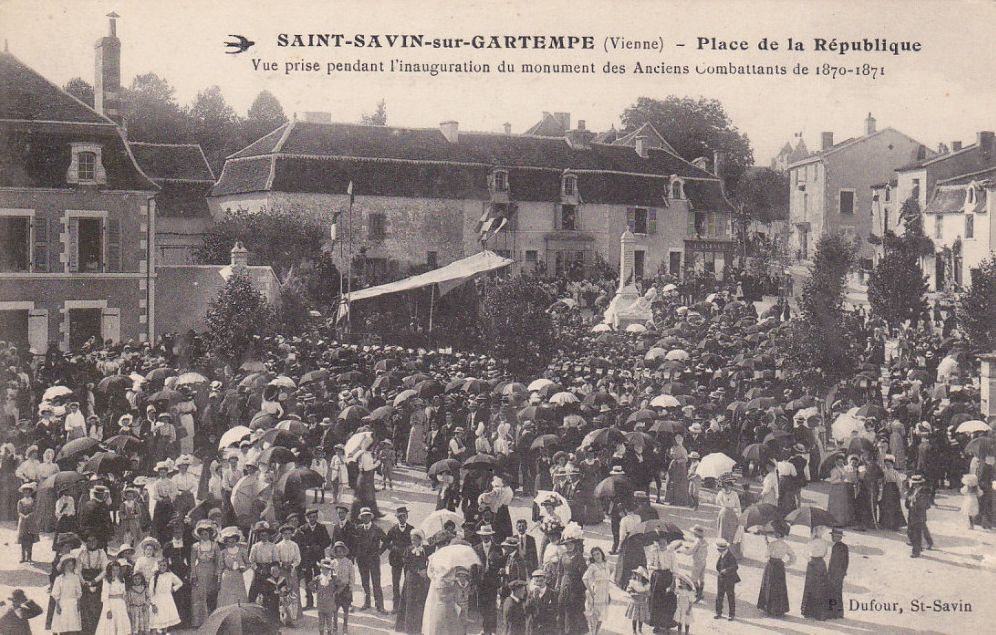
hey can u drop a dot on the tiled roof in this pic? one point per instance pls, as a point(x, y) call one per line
point(548, 126)
point(647, 130)
point(963, 179)
point(705, 197)
point(243, 176)
point(27, 95)
point(183, 199)
point(172, 161)
point(935, 158)
point(946, 200)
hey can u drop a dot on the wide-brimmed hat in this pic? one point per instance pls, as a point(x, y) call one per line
point(642, 572)
point(184, 459)
point(365, 511)
point(917, 479)
point(538, 573)
point(798, 447)
point(149, 540)
point(28, 487)
point(66, 558)
point(694, 455)
point(722, 544)
point(616, 470)
point(261, 526)
point(485, 530)
point(340, 545)
point(205, 525)
point(510, 542)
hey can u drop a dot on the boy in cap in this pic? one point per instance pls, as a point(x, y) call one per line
point(323, 587)
point(917, 503)
point(513, 609)
point(342, 574)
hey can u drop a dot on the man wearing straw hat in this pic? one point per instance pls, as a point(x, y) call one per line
point(726, 579)
point(917, 503)
point(369, 543)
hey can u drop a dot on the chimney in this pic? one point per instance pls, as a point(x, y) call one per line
point(955, 146)
point(107, 83)
point(564, 119)
point(719, 163)
point(239, 255)
point(581, 138)
point(450, 130)
point(826, 140)
point(316, 116)
point(870, 124)
point(642, 146)
point(508, 128)
point(984, 139)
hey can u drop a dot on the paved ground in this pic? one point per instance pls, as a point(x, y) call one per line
point(961, 569)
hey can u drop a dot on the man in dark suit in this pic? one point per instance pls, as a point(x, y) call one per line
point(312, 538)
point(839, 559)
point(527, 545)
point(476, 414)
point(343, 530)
point(95, 516)
point(541, 606)
point(726, 579)
point(399, 538)
point(513, 609)
point(371, 542)
point(487, 578)
point(514, 566)
point(917, 503)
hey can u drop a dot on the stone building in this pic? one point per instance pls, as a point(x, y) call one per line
point(958, 218)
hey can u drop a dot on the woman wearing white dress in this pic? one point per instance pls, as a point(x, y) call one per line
point(162, 586)
point(66, 591)
point(597, 580)
point(114, 611)
point(728, 520)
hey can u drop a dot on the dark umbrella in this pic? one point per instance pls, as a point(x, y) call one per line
point(239, 619)
point(857, 445)
point(549, 390)
point(412, 380)
point(655, 527)
point(641, 415)
point(981, 447)
point(107, 463)
point(809, 516)
point(670, 427)
point(429, 388)
point(386, 382)
point(165, 395)
point(480, 462)
point(757, 452)
point(383, 413)
point(760, 514)
point(638, 437)
point(300, 478)
point(603, 437)
point(871, 410)
point(454, 385)
point(616, 487)
point(354, 414)
point(778, 436)
point(76, 448)
point(536, 413)
point(545, 441)
point(262, 420)
point(124, 443)
point(476, 387)
point(276, 454)
point(385, 365)
point(314, 375)
point(61, 480)
point(114, 383)
point(761, 403)
point(159, 374)
point(828, 462)
point(280, 438)
point(446, 465)
point(350, 377)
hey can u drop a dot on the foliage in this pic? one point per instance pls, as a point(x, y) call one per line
point(265, 115)
point(764, 194)
point(977, 307)
point(378, 117)
point(293, 314)
point(897, 287)
point(237, 319)
point(215, 126)
point(515, 327)
point(694, 128)
point(80, 89)
point(152, 112)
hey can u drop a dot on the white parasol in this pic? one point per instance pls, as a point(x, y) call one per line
point(561, 510)
point(449, 558)
point(601, 328)
point(433, 523)
point(975, 425)
point(538, 384)
point(564, 398)
point(846, 424)
point(636, 328)
point(357, 442)
point(678, 355)
point(55, 392)
point(233, 435)
point(665, 401)
point(715, 464)
point(283, 381)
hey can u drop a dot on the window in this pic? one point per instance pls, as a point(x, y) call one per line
point(15, 244)
point(378, 226)
point(885, 220)
point(969, 226)
point(569, 218)
point(847, 202)
point(500, 181)
point(677, 190)
point(888, 194)
point(532, 256)
point(639, 262)
point(85, 165)
point(916, 188)
point(674, 263)
point(640, 217)
point(87, 169)
point(90, 245)
point(938, 226)
point(432, 259)
point(570, 185)
point(804, 244)
point(698, 225)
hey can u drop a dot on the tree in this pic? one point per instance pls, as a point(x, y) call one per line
point(152, 113)
point(515, 327)
point(238, 319)
point(764, 194)
point(897, 287)
point(294, 313)
point(215, 126)
point(265, 115)
point(379, 116)
point(977, 307)
point(695, 128)
point(80, 89)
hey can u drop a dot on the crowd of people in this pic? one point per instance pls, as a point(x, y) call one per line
point(163, 485)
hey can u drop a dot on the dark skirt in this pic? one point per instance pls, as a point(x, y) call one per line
point(631, 556)
point(890, 510)
point(863, 505)
point(677, 484)
point(663, 601)
point(773, 598)
point(841, 503)
point(90, 603)
point(816, 593)
point(409, 619)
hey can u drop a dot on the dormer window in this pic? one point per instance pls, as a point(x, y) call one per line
point(86, 169)
point(86, 165)
point(499, 179)
point(569, 185)
point(677, 190)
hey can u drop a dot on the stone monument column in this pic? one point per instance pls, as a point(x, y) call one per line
point(626, 258)
point(987, 387)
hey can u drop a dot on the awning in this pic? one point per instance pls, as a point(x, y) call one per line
point(448, 277)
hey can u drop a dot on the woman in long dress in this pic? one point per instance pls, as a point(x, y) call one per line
point(442, 615)
point(66, 592)
point(588, 507)
point(841, 502)
point(232, 589)
point(93, 568)
point(897, 443)
point(662, 562)
point(114, 610)
point(205, 563)
point(597, 580)
point(816, 593)
point(8, 482)
point(416, 587)
point(773, 597)
point(365, 494)
point(890, 498)
point(677, 474)
point(46, 497)
point(176, 555)
point(728, 519)
point(416, 452)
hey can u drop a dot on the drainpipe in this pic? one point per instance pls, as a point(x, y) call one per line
point(150, 267)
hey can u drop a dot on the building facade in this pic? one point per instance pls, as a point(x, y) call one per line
point(958, 218)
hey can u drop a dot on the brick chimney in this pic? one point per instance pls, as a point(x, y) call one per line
point(984, 139)
point(642, 145)
point(450, 130)
point(581, 138)
point(869, 124)
point(826, 140)
point(719, 163)
point(107, 81)
point(316, 116)
point(507, 127)
point(239, 255)
point(955, 146)
point(564, 119)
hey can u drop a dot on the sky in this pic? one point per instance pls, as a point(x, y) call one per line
point(942, 94)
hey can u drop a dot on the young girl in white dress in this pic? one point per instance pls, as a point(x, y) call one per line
point(162, 585)
point(114, 609)
point(66, 591)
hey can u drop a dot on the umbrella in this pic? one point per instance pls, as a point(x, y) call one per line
point(384, 413)
point(564, 398)
point(678, 355)
point(296, 426)
point(538, 383)
point(252, 366)
point(601, 328)
point(614, 487)
point(276, 454)
point(859, 445)
point(433, 523)
point(761, 403)
point(562, 509)
point(475, 387)
point(245, 494)
point(76, 448)
point(191, 379)
point(777, 436)
point(115, 383)
point(641, 415)
point(165, 395)
point(668, 288)
point(656, 527)
point(353, 414)
point(124, 443)
point(655, 353)
point(280, 438)
point(262, 421)
point(549, 390)
point(536, 413)
point(253, 380)
point(480, 462)
point(737, 406)
point(445, 465)
point(449, 558)
point(283, 381)
point(756, 452)
point(639, 438)
point(357, 442)
point(545, 441)
point(712, 465)
point(61, 480)
point(574, 421)
point(350, 377)
point(665, 401)
point(107, 463)
point(811, 517)
point(845, 424)
point(514, 388)
point(404, 396)
point(55, 392)
point(871, 410)
point(233, 436)
point(412, 380)
point(159, 374)
point(636, 328)
point(314, 376)
point(960, 417)
point(603, 437)
point(973, 426)
point(828, 462)
point(385, 365)
point(386, 382)
point(299, 479)
point(239, 619)
point(981, 446)
point(454, 385)
point(670, 427)
point(429, 388)
point(759, 514)
point(568, 303)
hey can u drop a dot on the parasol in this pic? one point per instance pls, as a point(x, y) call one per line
point(574, 421)
point(538, 383)
point(642, 415)
point(76, 448)
point(715, 464)
point(279, 438)
point(296, 426)
point(239, 619)
point(124, 444)
point(639, 438)
point(845, 424)
point(669, 427)
point(353, 414)
point(601, 328)
point(545, 441)
point(252, 366)
point(299, 479)
point(449, 558)
point(446, 465)
point(981, 447)
point(191, 379)
point(871, 410)
point(359, 441)
point(759, 514)
point(614, 487)
point(636, 328)
point(433, 523)
point(665, 401)
point(564, 398)
point(656, 527)
point(404, 396)
point(757, 452)
point(276, 454)
point(859, 445)
point(61, 480)
point(473, 386)
point(383, 413)
point(429, 388)
point(233, 436)
point(974, 425)
point(562, 509)
point(107, 463)
point(115, 383)
point(55, 392)
point(828, 462)
point(812, 517)
point(262, 421)
point(283, 381)
point(350, 377)
point(166, 394)
point(603, 437)
point(314, 376)
point(245, 494)
point(678, 355)
point(480, 462)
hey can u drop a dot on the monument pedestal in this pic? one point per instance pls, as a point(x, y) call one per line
point(628, 307)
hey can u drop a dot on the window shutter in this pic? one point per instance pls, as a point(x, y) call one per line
point(631, 218)
point(556, 217)
point(113, 245)
point(40, 227)
point(74, 245)
point(38, 331)
point(691, 223)
point(652, 220)
point(578, 226)
point(110, 325)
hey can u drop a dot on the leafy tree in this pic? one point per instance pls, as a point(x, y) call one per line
point(153, 113)
point(695, 128)
point(80, 89)
point(897, 287)
point(378, 117)
point(237, 319)
point(265, 115)
point(764, 194)
point(215, 126)
point(977, 307)
point(515, 327)
point(293, 314)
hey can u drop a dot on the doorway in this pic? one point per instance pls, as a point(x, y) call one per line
point(84, 324)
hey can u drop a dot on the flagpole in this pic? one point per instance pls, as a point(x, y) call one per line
point(432, 295)
point(349, 263)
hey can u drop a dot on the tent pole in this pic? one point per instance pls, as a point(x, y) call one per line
point(432, 295)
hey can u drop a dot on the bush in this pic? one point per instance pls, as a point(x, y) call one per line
point(237, 319)
point(897, 287)
point(977, 307)
point(515, 327)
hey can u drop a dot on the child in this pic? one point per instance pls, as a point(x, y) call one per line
point(698, 550)
point(272, 588)
point(66, 591)
point(342, 573)
point(130, 517)
point(694, 480)
point(65, 513)
point(686, 598)
point(323, 586)
point(970, 498)
point(638, 588)
point(27, 532)
point(338, 472)
point(164, 612)
point(387, 457)
point(321, 465)
point(139, 603)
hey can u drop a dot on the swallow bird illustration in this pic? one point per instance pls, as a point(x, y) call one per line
point(242, 45)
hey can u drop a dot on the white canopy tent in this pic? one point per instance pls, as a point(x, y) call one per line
point(446, 278)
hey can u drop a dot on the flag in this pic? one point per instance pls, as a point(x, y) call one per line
point(494, 219)
point(334, 230)
point(349, 190)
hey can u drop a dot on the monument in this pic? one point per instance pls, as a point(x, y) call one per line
point(628, 307)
